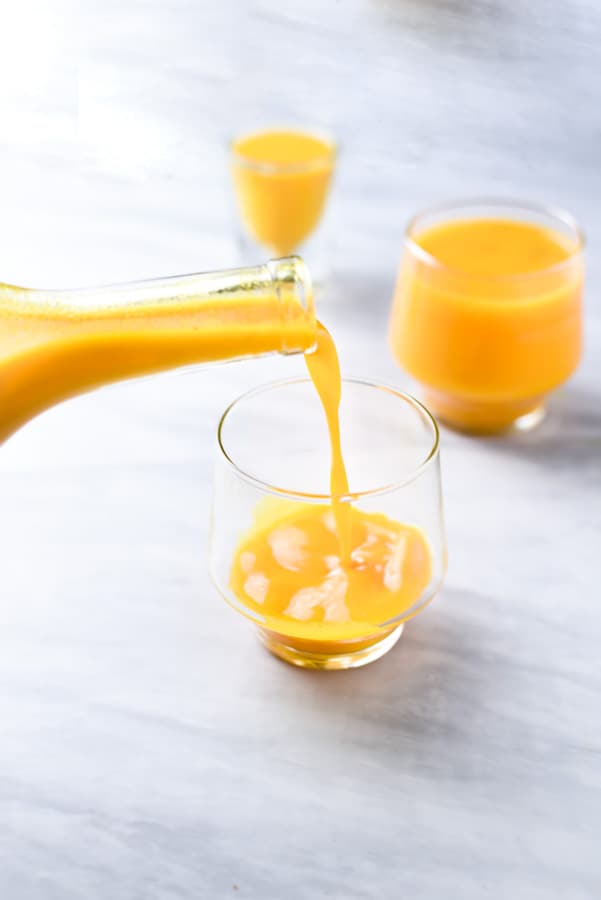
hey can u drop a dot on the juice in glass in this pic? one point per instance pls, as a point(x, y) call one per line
point(329, 578)
point(487, 311)
point(330, 582)
point(281, 181)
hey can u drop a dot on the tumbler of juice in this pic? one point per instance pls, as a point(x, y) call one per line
point(487, 310)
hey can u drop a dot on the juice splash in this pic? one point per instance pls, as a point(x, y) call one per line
point(291, 573)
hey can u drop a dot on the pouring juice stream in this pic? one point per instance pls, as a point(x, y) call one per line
point(324, 572)
point(324, 368)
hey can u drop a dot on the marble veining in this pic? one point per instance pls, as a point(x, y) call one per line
point(149, 748)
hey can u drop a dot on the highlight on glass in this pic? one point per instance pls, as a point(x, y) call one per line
point(487, 310)
point(276, 554)
point(281, 180)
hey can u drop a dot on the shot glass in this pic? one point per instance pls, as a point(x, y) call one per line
point(281, 180)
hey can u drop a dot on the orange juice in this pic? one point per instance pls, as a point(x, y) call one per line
point(321, 575)
point(324, 368)
point(281, 179)
point(329, 579)
point(487, 316)
point(292, 573)
point(54, 345)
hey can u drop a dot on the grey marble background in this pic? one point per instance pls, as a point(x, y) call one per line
point(149, 749)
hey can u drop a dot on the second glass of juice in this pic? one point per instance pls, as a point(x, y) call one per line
point(276, 556)
point(281, 181)
point(487, 311)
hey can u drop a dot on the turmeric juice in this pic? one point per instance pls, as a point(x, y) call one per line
point(325, 578)
point(57, 344)
point(487, 317)
point(281, 180)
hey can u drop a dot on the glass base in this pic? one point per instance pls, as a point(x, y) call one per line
point(331, 655)
point(485, 417)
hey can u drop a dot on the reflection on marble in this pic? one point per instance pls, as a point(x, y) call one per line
point(149, 749)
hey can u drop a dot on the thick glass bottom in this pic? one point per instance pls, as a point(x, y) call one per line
point(483, 416)
point(329, 655)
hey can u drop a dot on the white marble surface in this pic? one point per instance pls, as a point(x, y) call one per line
point(149, 749)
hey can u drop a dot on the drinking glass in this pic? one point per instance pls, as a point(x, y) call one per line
point(281, 180)
point(487, 349)
point(273, 460)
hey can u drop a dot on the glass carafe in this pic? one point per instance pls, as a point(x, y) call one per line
point(57, 344)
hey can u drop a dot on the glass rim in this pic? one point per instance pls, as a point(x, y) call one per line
point(552, 212)
point(271, 168)
point(351, 496)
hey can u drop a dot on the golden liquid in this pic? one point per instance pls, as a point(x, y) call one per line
point(54, 349)
point(290, 572)
point(496, 325)
point(319, 574)
point(282, 180)
point(324, 368)
point(495, 246)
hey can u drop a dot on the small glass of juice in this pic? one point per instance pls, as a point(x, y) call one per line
point(276, 554)
point(487, 310)
point(281, 182)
